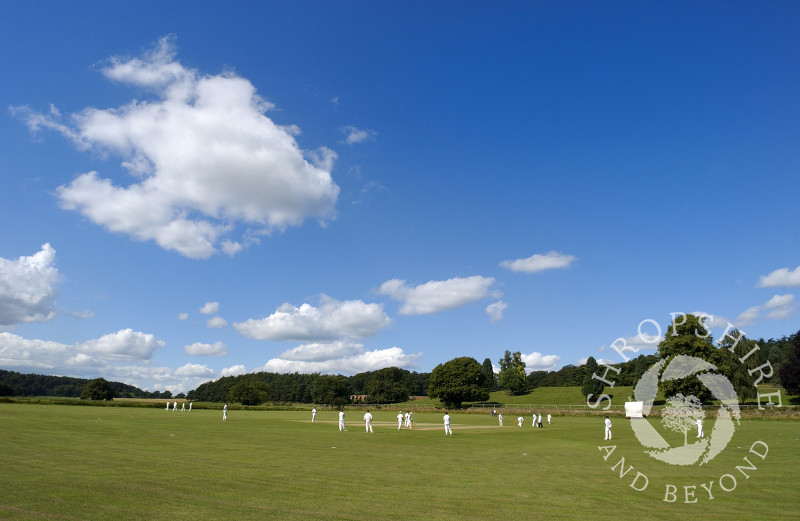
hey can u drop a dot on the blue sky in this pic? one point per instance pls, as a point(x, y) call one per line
point(196, 189)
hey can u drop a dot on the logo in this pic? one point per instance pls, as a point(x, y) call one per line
point(685, 413)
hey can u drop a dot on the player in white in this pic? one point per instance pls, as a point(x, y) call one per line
point(533, 422)
point(368, 421)
point(341, 421)
point(190, 405)
point(500, 417)
point(548, 418)
point(540, 421)
point(225, 412)
point(447, 429)
point(399, 420)
point(183, 406)
point(167, 406)
point(608, 429)
point(519, 421)
point(175, 406)
point(313, 415)
point(699, 427)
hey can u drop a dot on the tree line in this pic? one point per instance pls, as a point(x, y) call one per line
point(459, 380)
point(13, 383)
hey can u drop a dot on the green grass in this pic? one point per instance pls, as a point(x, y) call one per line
point(100, 463)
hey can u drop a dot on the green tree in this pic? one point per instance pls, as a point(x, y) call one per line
point(489, 378)
point(789, 373)
point(737, 371)
point(591, 386)
point(512, 382)
point(331, 390)
point(248, 393)
point(6, 390)
point(386, 386)
point(97, 389)
point(457, 381)
point(511, 360)
point(690, 337)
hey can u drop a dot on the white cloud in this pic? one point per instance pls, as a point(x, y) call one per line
point(747, 316)
point(354, 135)
point(209, 308)
point(495, 310)
point(333, 319)
point(203, 158)
point(539, 262)
point(319, 351)
point(27, 288)
point(216, 322)
point(352, 363)
point(233, 370)
point(538, 362)
point(780, 277)
point(195, 370)
point(780, 306)
point(438, 295)
point(125, 343)
point(201, 349)
point(183, 316)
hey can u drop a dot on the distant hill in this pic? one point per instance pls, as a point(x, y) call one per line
point(19, 384)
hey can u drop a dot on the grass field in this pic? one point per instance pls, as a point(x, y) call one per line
point(101, 463)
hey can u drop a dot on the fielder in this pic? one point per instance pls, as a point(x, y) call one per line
point(368, 421)
point(341, 421)
point(519, 421)
point(500, 417)
point(313, 415)
point(225, 412)
point(167, 406)
point(608, 429)
point(399, 420)
point(447, 429)
point(699, 427)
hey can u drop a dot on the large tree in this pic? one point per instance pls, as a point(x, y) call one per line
point(97, 389)
point(387, 385)
point(331, 390)
point(688, 335)
point(789, 373)
point(738, 372)
point(591, 386)
point(512, 381)
point(489, 378)
point(252, 393)
point(457, 381)
point(511, 360)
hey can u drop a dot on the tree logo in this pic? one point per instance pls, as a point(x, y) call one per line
point(683, 413)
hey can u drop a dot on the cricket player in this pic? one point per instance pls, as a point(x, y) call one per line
point(368, 421)
point(341, 421)
point(519, 421)
point(500, 417)
point(447, 429)
point(540, 421)
point(608, 429)
point(190, 405)
point(183, 406)
point(399, 420)
point(167, 406)
point(313, 415)
point(225, 412)
point(699, 427)
point(175, 406)
point(548, 418)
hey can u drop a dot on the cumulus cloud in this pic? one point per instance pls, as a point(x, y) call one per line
point(780, 277)
point(216, 322)
point(201, 349)
point(195, 370)
point(125, 343)
point(538, 362)
point(27, 288)
point(355, 135)
point(333, 319)
point(183, 316)
point(495, 310)
point(209, 308)
point(339, 359)
point(203, 158)
point(539, 262)
point(779, 307)
point(233, 370)
point(438, 295)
